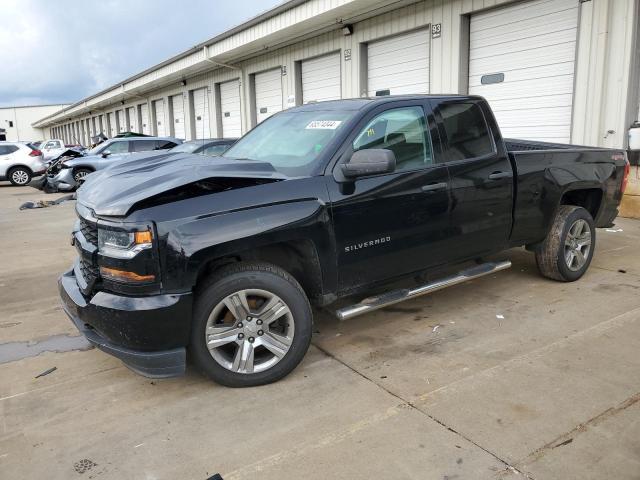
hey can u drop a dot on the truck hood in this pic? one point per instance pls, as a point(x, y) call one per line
point(114, 191)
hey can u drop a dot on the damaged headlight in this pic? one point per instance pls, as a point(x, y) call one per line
point(120, 244)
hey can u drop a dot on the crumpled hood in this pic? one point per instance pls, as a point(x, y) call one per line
point(115, 190)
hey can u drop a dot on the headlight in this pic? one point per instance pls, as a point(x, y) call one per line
point(119, 244)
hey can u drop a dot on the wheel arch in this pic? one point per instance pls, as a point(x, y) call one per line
point(299, 257)
point(19, 165)
point(588, 198)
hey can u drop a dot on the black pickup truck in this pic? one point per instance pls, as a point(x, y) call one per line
point(223, 257)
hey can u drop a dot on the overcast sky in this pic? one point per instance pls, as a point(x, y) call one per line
point(62, 51)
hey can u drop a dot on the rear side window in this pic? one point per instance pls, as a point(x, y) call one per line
point(467, 132)
point(165, 144)
point(7, 149)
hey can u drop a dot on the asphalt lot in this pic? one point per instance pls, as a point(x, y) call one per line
point(508, 376)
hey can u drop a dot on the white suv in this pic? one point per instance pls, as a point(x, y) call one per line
point(19, 163)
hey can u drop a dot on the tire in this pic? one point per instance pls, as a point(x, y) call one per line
point(19, 176)
point(566, 252)
point(80, 173)
point(288, 322)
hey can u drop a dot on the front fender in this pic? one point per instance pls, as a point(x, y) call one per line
point(191, 245)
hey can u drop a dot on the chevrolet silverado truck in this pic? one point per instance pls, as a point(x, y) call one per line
point(221, 259)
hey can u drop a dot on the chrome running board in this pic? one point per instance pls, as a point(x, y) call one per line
point(381, 301)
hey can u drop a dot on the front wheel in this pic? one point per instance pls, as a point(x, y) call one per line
point(566, 252)
point(79, 174)
point(252, 325)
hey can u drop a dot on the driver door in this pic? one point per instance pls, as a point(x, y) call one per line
point(396, 223)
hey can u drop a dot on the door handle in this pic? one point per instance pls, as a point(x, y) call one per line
point(434, 187)
point(499, 175)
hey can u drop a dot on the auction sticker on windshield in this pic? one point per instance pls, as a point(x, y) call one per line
point(323, 125)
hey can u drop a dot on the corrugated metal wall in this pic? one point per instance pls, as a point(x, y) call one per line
point(602, 98)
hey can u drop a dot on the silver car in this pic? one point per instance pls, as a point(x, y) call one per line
point(20, 162)
point(68, 174)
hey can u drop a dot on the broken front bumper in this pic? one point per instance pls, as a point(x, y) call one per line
point(148, 334)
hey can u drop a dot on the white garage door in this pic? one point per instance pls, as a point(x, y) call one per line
point(177, 109)
point(121, 121)
point(201, 113)
point(268, 90)
point(111, 125)
point(522, 60)
point(230, 109)
point(399, 65)
point(158, 107)
point(131, 119)
point(321, 78)
point(144, 118)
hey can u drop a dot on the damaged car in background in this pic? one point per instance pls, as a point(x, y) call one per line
point(223, 257)
point(68, 171)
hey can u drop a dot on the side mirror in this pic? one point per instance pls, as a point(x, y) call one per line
point(369, 162)
point(106, 153)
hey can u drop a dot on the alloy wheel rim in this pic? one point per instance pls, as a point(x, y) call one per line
point(577, 245)
point(20, 177)
point(80, 176)
point(249, 331)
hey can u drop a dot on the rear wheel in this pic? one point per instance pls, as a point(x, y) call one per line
point(19, 176)
point(252, 325)
point(566, 253)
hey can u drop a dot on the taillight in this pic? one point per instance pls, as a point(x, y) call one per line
point(35, 153)
point(625, 177)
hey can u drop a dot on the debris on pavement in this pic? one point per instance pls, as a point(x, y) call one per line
point(46, 372)
point(47, 203)
point(500, 317)
point(435, 328)
point(614, 230)
point(566, 442)
point(621, 270)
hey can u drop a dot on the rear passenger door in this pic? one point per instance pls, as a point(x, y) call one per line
point(481, 178)
point(396, 223)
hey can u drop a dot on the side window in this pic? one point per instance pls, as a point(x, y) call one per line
point(143, 145)
point(118, 147)
point(50, 145)
point(467, 132)
point(404, 132)
point(215, 150)
point(165, 144)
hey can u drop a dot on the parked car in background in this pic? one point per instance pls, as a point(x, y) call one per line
point(67, 174)
point(19, 162)
point(210, 146)
point(52, 149)
point(222, 256)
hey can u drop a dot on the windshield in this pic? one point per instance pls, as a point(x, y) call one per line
point(291, 141)
point(187, 147)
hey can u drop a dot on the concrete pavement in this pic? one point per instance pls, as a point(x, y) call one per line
point(508, 376)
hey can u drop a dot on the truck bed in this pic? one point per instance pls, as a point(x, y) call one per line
point(518, 145)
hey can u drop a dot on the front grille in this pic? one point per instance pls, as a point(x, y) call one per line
point(89, 271)
point(90, 231)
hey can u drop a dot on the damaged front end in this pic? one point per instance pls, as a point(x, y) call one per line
point(50, 181)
